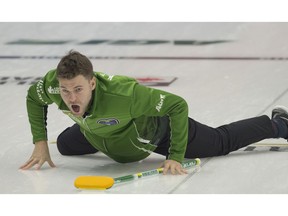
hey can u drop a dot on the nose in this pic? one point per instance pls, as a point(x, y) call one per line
point(72, 97)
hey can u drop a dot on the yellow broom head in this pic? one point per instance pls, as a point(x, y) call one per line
point(93, 182)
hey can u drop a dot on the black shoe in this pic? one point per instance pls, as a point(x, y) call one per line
point(280, 112)
point(280, 118)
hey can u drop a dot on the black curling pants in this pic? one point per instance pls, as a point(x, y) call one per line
point(203, 141)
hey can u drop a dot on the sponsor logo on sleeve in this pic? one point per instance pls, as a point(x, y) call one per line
point(160, 104)
point(53, 90)
point(40, 91)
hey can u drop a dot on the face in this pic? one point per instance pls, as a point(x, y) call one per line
point(77, 93)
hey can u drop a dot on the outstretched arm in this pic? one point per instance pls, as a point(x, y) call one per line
point(37, 106)
point(154, 102)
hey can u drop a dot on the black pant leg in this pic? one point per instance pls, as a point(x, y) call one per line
point(205, 141)
point(72, 142)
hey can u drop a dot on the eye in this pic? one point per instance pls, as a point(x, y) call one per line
point(65, 91)
point(77, 90)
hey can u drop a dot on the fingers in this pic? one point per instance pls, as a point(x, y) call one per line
point(30, 163)
point(165, 169)
point(51, 163)
point(174, 167)
point(175, 170)
point(37, 164)
point(25, 165)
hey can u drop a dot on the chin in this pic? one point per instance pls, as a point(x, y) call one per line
point(78, 114)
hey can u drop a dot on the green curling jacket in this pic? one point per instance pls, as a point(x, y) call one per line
point(125, 120)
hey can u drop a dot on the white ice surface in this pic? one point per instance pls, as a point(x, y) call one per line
point(217, 91)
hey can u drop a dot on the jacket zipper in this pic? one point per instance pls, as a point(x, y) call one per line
point(85, 123)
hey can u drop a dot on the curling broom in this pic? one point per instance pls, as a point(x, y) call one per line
point(106, 182)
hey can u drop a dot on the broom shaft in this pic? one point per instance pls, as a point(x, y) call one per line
point(186, 164)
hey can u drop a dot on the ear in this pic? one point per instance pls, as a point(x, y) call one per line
point(93, 83)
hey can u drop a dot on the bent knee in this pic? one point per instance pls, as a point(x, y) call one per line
point(62, 146)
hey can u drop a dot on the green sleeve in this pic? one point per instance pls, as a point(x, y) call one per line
point(154, 102)
point(37, 102)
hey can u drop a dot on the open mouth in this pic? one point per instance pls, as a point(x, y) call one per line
point(75, 108)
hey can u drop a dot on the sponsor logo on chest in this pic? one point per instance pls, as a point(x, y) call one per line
point(108, 121)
